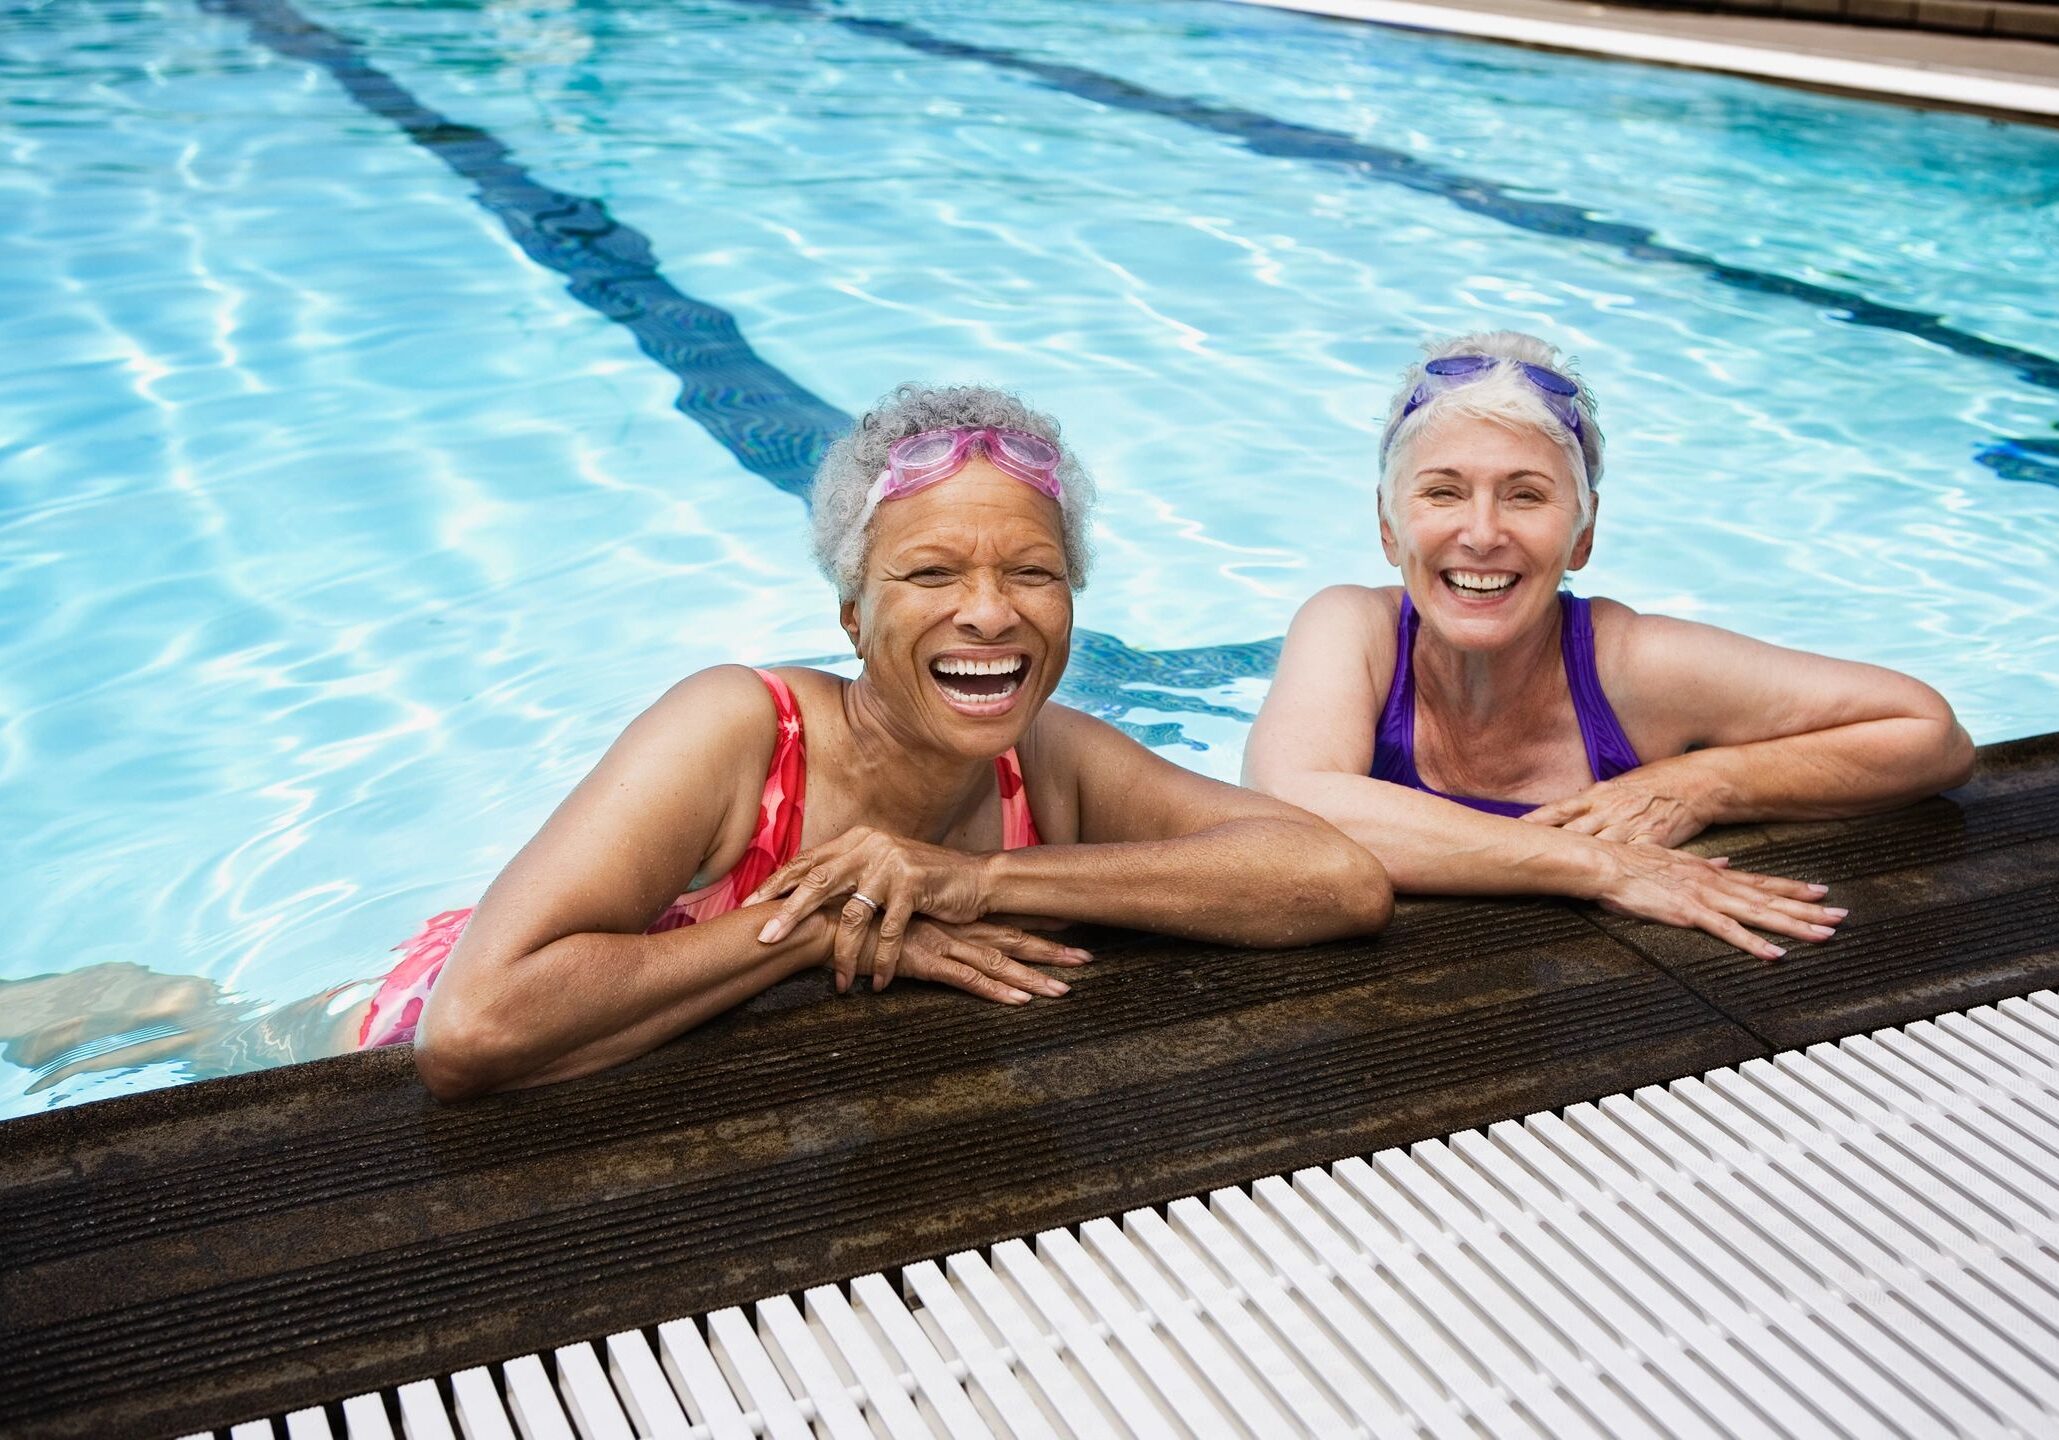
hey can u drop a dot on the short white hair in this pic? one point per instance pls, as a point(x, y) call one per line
point(1504, 396)
point(842, 524)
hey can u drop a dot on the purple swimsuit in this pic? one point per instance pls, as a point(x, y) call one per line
point(1609, 752)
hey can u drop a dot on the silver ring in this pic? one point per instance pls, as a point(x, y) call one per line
point(867, 901)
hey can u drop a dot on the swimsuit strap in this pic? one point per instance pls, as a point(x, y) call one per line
point(781, 803)
point(777, 837)
point(1394, 741)
point(1609, 751)
point(1018, 826)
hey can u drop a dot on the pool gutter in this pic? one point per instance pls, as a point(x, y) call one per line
point(2012, 79)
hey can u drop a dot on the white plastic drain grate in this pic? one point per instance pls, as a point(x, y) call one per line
point(1859, 1239)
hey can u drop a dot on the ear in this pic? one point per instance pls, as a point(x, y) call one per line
point(1584, 546)
point(1388, 546)
point(847, 616)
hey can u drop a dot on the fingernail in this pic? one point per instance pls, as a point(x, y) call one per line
point(842, 985)
point(1079, 954)
point(1823, 932)
point(1018, 997)
point(770, 932)
point(1834, 910)
point(879, 983)
point(1774, 952)
point(1815, 889)
point(1056, 987)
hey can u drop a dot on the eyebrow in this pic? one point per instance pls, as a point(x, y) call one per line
point(1460, 474)
point(926, 549)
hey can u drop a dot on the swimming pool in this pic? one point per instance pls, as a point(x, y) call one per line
point(340, 531)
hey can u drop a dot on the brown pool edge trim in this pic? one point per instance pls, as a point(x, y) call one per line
point(231, 1321)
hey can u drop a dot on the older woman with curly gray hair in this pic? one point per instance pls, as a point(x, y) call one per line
point(925, 819)
point(1484, 733)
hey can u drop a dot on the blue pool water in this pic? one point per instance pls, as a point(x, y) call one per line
point(396, 403)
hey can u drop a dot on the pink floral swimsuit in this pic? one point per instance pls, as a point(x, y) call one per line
point(397, 1007)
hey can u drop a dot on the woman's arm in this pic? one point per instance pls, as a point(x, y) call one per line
point(1162, 848)
point(1313, 745)
point(593, 999)
point(1768, 734)
point(554, 977)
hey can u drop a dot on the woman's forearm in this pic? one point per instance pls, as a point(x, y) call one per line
point(1255, 881)
point(1855, 769)
point(1433, 846)
point(589, 1001)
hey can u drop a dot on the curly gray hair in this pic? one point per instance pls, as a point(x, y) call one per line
point(846, 473)
point(1502, 395)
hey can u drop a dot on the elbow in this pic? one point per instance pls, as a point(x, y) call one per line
point(1343, 891)
point(458, 1059)
point(1368, 892)
point(1959, 758)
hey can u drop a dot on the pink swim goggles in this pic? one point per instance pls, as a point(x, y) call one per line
point(918, 461)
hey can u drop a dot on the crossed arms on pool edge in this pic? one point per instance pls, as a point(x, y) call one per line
point(1470, 732)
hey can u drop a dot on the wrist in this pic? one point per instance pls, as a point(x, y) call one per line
point(990, 881)
point(1587, 868)
point(811, 944)
point(1699, 782)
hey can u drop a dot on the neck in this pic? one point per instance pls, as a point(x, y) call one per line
point(895, 778)
point(1477, 688)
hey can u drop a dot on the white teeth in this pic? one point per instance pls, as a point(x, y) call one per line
point(964, 699)
point(956, 665)
point(1478, 583)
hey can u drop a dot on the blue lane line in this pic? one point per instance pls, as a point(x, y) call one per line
point(1290, 140)
point(770, 422)
point(773, 424)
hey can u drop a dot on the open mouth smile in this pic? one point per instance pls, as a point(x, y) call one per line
point(1480, 585)
point(980, 684)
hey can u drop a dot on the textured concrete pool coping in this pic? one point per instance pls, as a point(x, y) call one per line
point(205, 1254)
point(2017, 79)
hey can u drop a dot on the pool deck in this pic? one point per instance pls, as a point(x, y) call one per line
point(2007, 78)
point(215, 1252)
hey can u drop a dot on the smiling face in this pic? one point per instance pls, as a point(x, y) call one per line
point(1486, 522)
point(964, 617)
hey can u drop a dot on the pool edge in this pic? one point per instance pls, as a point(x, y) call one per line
point(1665, 37)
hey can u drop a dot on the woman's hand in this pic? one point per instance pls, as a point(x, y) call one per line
point(979, 957)
point(1623, 809)
point(1651, 882)
point(879, 877)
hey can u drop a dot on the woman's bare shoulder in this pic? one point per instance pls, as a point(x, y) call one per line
point(1063, 753)
point(1650, 651)
point(724, 715)
point(1334, 607)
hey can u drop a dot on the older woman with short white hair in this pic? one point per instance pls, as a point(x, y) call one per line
point(1484, 733)
point(921, 820)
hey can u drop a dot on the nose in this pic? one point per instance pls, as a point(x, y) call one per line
point(984, 609)
point(1483, 530)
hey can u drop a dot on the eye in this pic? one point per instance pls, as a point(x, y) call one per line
point(1034, 575)
point(1441, 493)
point(931, 575)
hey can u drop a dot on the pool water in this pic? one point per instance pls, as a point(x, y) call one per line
point(346, 511)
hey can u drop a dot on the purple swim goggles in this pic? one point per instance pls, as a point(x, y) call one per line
point(918, 461)
point(1560, 394)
